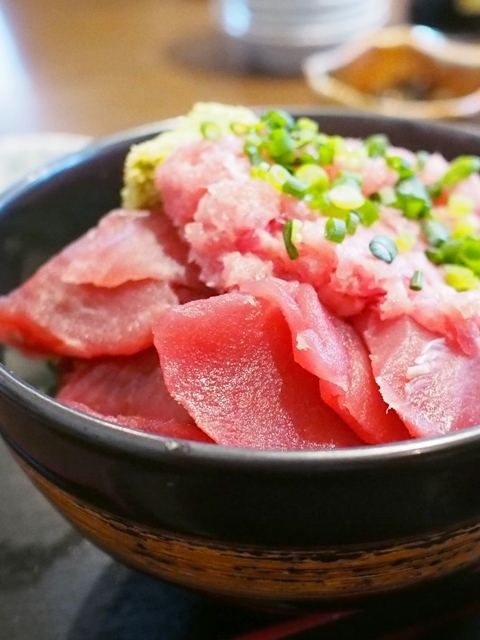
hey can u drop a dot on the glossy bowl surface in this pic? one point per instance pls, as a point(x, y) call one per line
point(278, 529)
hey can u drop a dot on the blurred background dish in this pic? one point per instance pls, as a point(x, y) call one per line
point(414, 71)
point(275, 36)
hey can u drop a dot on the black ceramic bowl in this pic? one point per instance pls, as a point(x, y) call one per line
point(278, 529)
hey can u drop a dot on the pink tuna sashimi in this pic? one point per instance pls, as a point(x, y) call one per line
point(129, 391)
point(184, 177)
point(237, 236)
point(234, 223)
point(331, 349)
point(46, 316)
point(228, 360)
point(432, 385)
point(100, 294)
point(127, 246)
point(441, 309)
point(170, 428)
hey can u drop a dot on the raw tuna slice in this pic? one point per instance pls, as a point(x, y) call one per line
point(130, 391)
point(184, 177)
point(127, 246)
point(233, 224)
point(228, 360)
point(46, 316)
point(100, 294)
point(331, 349)
point(431, 384)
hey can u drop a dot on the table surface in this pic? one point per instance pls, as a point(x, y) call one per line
point(99, 66)
point(95, 67)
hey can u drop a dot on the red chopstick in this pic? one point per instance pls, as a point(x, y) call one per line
point(286, 629)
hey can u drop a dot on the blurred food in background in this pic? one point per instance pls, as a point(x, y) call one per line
point(410, 71)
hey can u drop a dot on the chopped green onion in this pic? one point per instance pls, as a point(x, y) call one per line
point(346, 196)
point(434, 190)
point(315, 177)
point(278, 143)
point(422, 157)
point(416, 283)
point(309, 155)
point(401, 166)
point(294, 187)
point(464, 228)
point(210, 130)
point(460, 278)
point(302, 137)
point(387, 195)
point(368, 212)
point(278, 118)
point(469, 254)
point(352, 222)
point(435, 232)
point(277, 176)
point(335, 230)
point(383, 248)
point(288, 229)
point(459, 169)
point(413, 198)
point(377, 145)
point(446, 253)
point(307, 124)
point(460, 205)
point(239, 128)
point(435, 256)
point(252, 151)
point(260, 170)
point(328, 148)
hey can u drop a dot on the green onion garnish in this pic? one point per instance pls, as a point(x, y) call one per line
point(307, 124)
point(252, 151)
point(287, 238)
point(460, 169)
point(422, 157)
point(210, 130)
point(239, 128)
point(383, 248)
point(276, 175)
point(461, 278)
point(416, 283)
point(435, 232)
point(346, 196)
point(352, 221)
point(401, 166)
point(434, 190)
point(290, 155)
point(377, 145)
point(462, 252)
point(278, 118)
point(335, 230)
point(315, 177)
point(294, 187)
point(279, 143)
point(368, 212)
point(469, 254)
point(413, 198)
point(327, 150)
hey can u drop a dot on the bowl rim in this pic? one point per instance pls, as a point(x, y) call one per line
point(102, 434)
